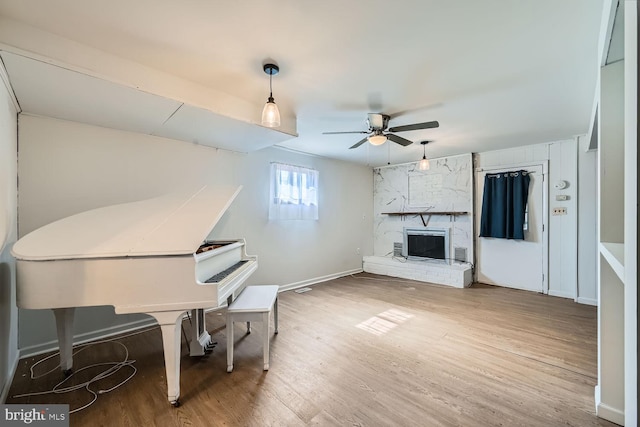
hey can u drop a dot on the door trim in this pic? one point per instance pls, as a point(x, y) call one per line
point(545, 214)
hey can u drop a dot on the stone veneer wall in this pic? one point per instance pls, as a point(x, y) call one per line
point(446, 186)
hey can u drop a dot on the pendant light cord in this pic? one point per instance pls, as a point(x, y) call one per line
point(270, 87)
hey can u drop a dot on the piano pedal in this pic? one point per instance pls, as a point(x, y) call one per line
point(210, 346)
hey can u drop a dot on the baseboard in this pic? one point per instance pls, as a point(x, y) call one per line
point(588, 301)
point(560, 294)
point(610, 414)
point(605, 411)
point(7, 385)
point(320, 279)
point(46, 347)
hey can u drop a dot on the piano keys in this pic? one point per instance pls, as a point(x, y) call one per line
point(213, 257)
point(147, 257)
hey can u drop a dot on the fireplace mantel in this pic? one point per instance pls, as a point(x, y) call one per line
point(428, 213)
point(425, 213)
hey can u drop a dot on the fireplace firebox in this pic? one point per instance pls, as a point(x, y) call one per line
point(426, 244)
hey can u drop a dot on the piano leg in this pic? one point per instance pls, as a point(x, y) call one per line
point(275, 315)
point(170, 323)
point(64, 327)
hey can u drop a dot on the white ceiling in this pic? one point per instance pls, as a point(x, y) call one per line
point(49, 90)
point(494, 73)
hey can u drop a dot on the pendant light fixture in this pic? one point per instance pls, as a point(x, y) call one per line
point(424, 163)
point(270, 113)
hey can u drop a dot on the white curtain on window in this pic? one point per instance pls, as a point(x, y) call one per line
point(293, 193)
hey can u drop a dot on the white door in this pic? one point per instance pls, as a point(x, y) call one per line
point(514, 263)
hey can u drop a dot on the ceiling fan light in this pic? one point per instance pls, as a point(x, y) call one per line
point(424, 164)
point(270, 114)
point(377, 139)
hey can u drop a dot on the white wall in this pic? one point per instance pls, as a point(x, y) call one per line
point(8, 233)
point(587, 221)
point(611, 152)
point(68, 167)
point(562, 230)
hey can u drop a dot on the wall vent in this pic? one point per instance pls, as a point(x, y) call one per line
point(460, 254)
point(397, 249)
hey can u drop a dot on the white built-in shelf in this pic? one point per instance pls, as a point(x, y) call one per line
point(614, 254)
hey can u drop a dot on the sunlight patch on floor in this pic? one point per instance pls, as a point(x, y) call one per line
point(382, 323)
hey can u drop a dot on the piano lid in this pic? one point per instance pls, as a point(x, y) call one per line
point(172, 224)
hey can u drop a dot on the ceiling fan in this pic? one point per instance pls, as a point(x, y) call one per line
point(378, 123)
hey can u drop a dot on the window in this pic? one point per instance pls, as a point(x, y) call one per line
point(293, 193)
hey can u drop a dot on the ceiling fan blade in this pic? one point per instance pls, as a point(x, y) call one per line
point(415, 109)
point(398, 139)
point(415, 126)
point(353, 131)
point(359, 143)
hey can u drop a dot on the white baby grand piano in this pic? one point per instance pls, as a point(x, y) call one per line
point(142, 257)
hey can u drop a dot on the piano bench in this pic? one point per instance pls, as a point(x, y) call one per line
point(253, 304)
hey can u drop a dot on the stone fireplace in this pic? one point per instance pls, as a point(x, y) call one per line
point(423, 222)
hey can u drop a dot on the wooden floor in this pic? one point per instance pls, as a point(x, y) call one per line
point(365, 350)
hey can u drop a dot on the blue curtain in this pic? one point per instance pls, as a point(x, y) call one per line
point(504, 204)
